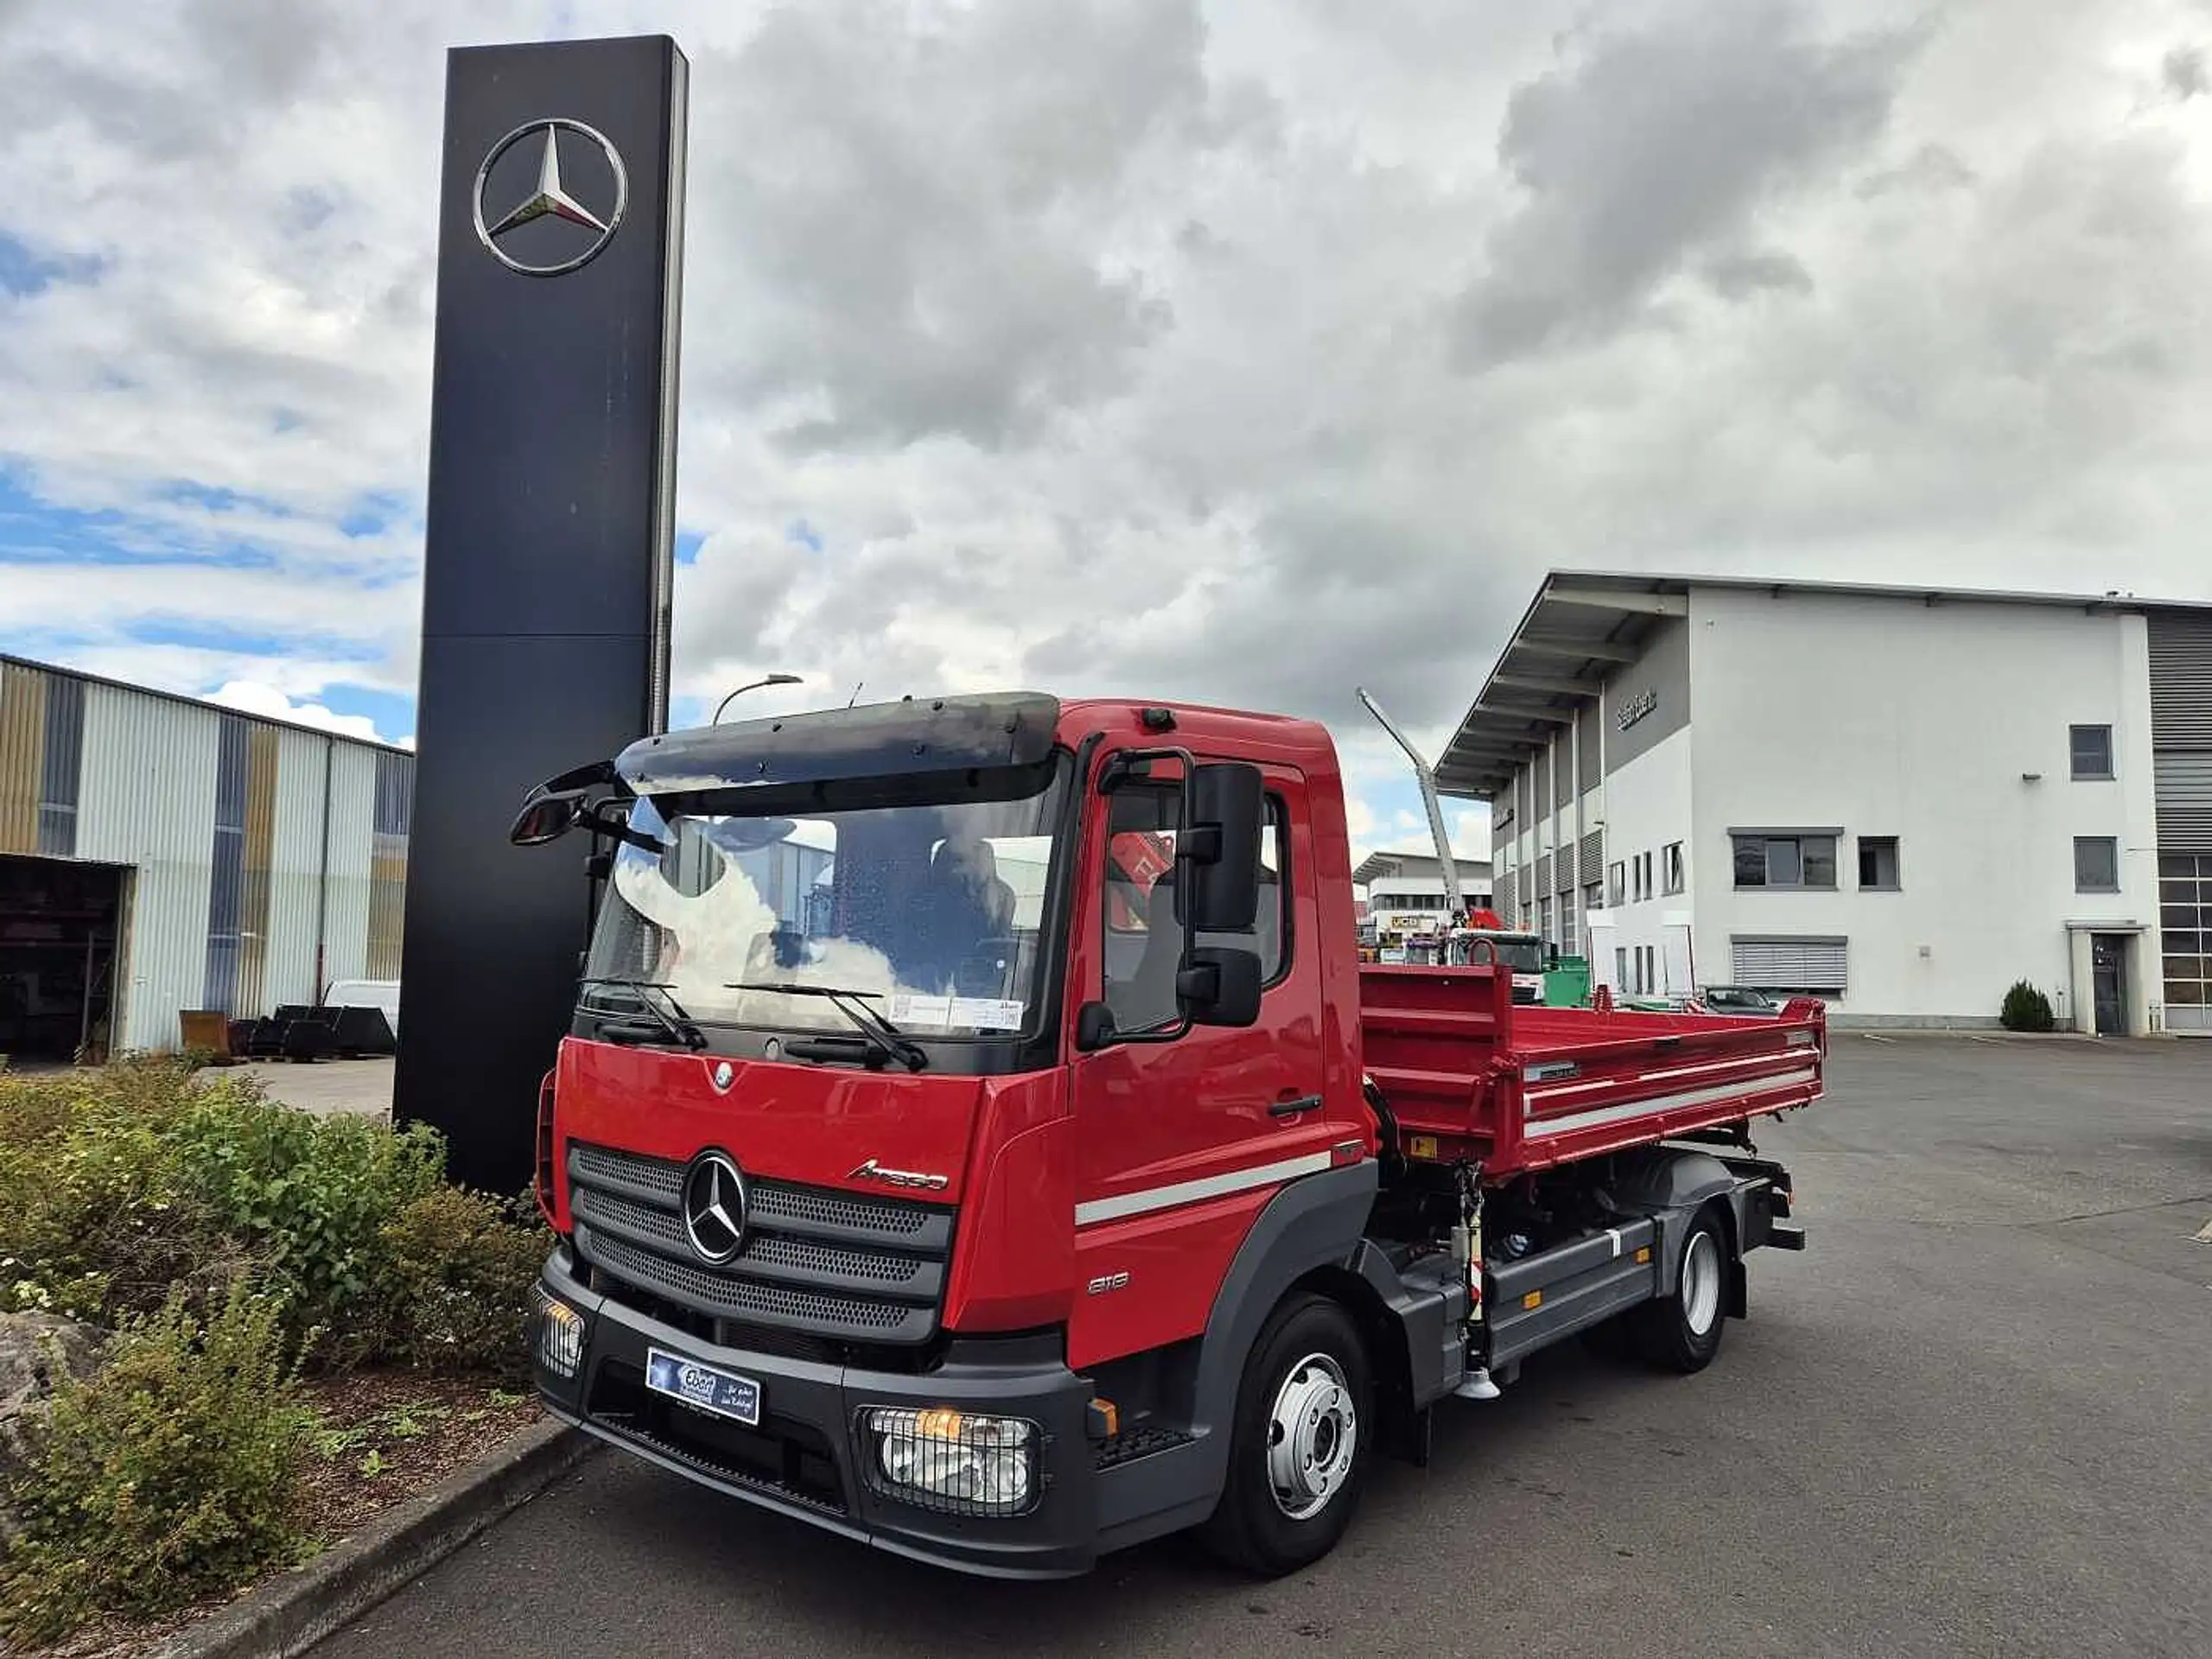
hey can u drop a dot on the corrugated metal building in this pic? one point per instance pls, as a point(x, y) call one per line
point(159, 854)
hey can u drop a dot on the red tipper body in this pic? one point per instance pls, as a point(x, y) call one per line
point(1523, 1089)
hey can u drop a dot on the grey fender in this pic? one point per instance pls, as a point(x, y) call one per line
point(1671, 1188)
point(1318, 1222)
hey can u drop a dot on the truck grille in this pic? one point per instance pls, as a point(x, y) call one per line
point(824, 1264)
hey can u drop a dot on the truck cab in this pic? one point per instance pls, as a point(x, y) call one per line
point(964, 1143)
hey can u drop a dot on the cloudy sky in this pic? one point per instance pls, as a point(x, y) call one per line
point(1243, 352)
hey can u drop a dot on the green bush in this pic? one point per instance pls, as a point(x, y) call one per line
point(167, 1476)
point(310, 1198)
point(2027, 1009)
point(96, 1220)
point(456, 1290)
point(119, 1185)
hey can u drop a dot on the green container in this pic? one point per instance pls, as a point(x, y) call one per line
point(1567, 984)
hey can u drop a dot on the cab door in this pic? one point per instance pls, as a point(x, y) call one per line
point(1182, 1135)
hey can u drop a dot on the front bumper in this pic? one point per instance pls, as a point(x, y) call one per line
point(808, 1457)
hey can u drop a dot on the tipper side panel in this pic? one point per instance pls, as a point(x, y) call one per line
point(1430, 1039)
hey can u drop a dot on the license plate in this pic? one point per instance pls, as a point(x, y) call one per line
point(704, 1387)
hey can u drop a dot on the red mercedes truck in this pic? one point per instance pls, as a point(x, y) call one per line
point(979, 1137)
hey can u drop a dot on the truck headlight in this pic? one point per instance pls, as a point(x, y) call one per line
point(951, 1460)
point(559, 1337)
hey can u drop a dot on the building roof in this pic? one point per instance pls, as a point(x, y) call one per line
point(201, 702)
point(1583, 624)
point(1386, 863)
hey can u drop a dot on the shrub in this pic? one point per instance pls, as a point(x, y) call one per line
point(2027, 1009)
point(310, 1197)
point(120, 1185)
point(95, 1220)
point(166, 1477)
point(456, 1289)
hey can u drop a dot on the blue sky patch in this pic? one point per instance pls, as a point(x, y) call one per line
point(688, 543)
point(35, 532)
point(24, 271)
point(803, 535)
point(195, 633)
point(372, 514)
point(392, 711)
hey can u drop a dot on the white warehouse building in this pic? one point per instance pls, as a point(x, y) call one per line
point(1902, 801)
point(1406, 889)
point(159, 854)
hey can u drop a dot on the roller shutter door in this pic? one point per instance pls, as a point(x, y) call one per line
point(2184, 790)
point(1771, 963)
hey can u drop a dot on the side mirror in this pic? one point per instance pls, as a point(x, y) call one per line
point(547, 819)
point(1221, 987)
point(1225, 808)
point(1094, 1028)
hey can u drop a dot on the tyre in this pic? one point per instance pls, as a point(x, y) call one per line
point(1301, 1443)
point(1681, 1332)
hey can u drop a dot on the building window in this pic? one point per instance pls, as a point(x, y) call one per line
point(1671, 867)
point(1878, 864)
point(1788, 861)
point(2096, 864)
point(1791, 964)
point(1544, 921)
point(2185, 922)
point(1618, 878)
point(2091, 747)
point(1620, 967)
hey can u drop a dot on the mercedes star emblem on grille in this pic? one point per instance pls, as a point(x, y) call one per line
point(713, 1207)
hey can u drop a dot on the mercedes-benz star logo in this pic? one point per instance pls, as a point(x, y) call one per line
point(713, 1207)
point(551, 199)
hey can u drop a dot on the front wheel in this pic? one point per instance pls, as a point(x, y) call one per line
point(1681, 1332)
point(1299, 1446)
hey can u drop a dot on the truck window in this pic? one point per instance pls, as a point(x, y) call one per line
point(1140, 959)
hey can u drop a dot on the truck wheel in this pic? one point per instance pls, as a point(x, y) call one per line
point(1298, 1449)
point(1681, 1332)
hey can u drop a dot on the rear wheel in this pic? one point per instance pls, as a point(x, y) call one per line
point(1300, 1445)
point(1681, 1332)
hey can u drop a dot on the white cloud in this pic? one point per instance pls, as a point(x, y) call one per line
point(1237, 351)
point(250, 698)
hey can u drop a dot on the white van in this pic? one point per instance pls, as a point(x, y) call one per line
point(366, 993)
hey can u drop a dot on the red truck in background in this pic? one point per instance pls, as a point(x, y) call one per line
point(932, 1167)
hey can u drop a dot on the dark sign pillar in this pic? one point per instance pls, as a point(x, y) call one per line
point(547, 568)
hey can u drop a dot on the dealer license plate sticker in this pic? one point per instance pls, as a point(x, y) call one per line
point(704, 1387)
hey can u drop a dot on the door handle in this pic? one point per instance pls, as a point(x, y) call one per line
point(1293, 1108)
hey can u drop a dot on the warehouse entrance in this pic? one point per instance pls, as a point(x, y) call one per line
point(60, 922)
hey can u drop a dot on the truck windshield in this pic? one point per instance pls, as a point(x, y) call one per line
point(1522, 956)
point(930, 910)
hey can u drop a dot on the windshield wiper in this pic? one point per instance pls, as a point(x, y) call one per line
point(679, 1025)
point(882, 1035)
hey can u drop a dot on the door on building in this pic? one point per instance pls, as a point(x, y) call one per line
point(60, 922)
point(2108, 971)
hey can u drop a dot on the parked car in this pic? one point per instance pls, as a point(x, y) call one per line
point(1741, 1000)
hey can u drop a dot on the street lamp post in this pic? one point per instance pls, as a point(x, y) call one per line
point(772, 679)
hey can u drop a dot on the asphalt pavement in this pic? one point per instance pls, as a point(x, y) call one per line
point(1974, 1417)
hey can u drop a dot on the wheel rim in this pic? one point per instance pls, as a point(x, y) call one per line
point(1313, 1432)
point(1701, 1283)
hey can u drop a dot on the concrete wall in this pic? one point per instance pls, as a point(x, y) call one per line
point(1648, 805)
point(1893, 717)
